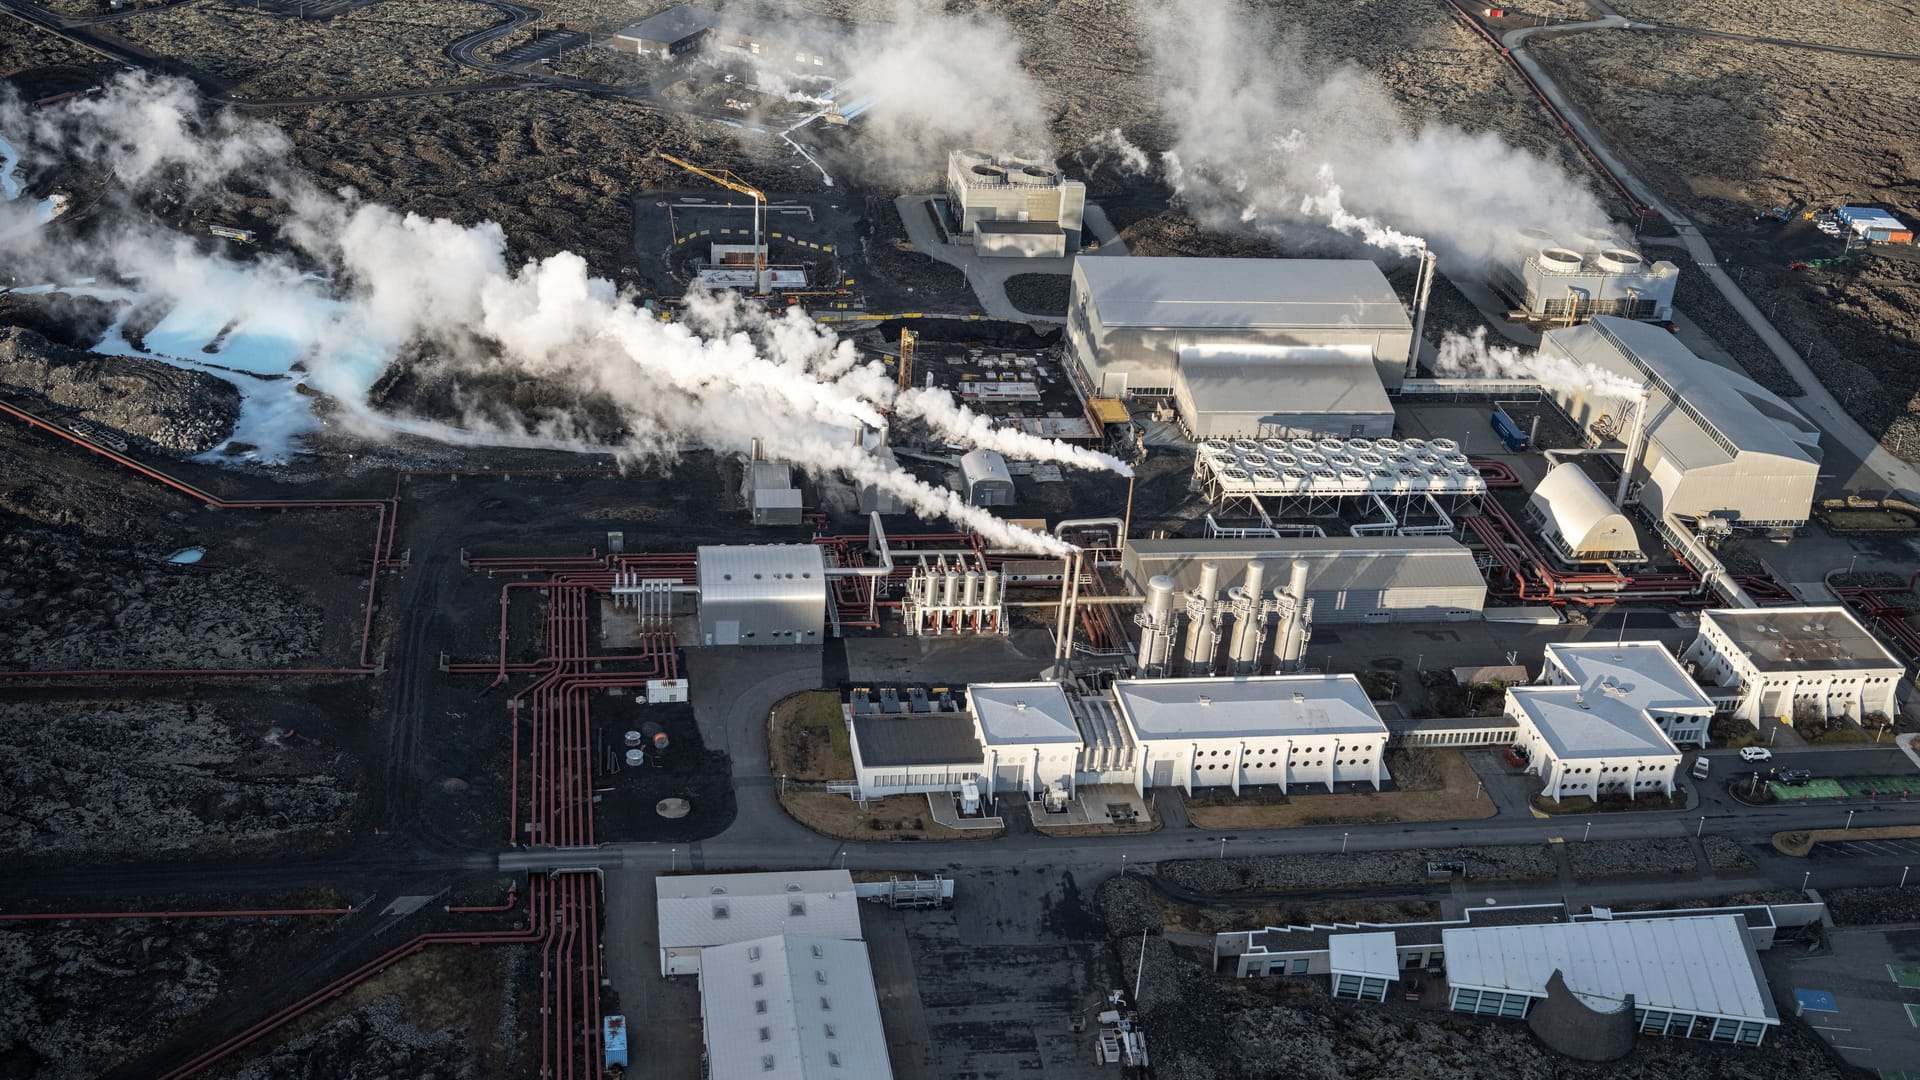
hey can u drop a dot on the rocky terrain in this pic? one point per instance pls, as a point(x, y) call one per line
point(1512, 863)
point(1653, 855)
point(144, 777)
point(78, 997)
point(71, 602)
point(1200, 1026)
point(165, 407)
point(1862, 24)
point(378, 1040)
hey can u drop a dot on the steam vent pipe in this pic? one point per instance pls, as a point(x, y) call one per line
point(1296, 622)
point(1156, 627)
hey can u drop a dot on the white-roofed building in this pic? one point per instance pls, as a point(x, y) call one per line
point(792, 1006)
point(1128, 319)
point(1697, 977)
point(700, 911)
point(1363, 965)
point(762, 594)
point(1591, 741)
point(1029, 734)
point(1716, 443)
point(1229, 732)
point(1579, 522)
point(1768, 662)
point(1647, 676)
point(1280, 392)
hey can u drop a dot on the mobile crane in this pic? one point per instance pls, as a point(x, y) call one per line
point(726, 179)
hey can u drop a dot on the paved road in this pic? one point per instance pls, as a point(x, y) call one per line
point(988, 276)
point(1815, 401)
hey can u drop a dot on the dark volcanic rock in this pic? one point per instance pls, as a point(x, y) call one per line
point(185, 412)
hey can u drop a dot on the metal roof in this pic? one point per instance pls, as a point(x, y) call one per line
point(761, 572)
point(1280, 379)
point(1336, 563)
point(814, 1012)
point(1584, 516)
point(1702, 965)
point(984, 465)
point(1023, 712)
point(1802, 639)
point(1700, 399)
point(1247, 705)
point(897, 739)
point(1330, 466)
point(674, 25)
point(754, 906)
point(1375, 953)
point(1870, 217)
point(1166, 293)
point(1646, 673)
point(1579, 723)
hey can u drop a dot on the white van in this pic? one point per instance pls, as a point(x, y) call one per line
point(1700, 767)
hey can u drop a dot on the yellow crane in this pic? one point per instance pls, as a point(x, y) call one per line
point(907, 341)
point(728, 180)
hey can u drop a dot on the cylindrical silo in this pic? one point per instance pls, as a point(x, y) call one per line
point(1203, 621)
point(970, 589)
point(1249, 621)
point(1156, 627)
point(949, 588)
point(990, 589)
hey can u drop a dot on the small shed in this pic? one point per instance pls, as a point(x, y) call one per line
point(1579, 522)
point(1876, 224)
point(762, 594)
point(1363, 965)
point(770, 494)
point(986, 479)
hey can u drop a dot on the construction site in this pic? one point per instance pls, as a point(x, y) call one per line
point(431, 484)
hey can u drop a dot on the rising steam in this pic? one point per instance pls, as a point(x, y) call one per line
point(1269, 138)
point(1461, 356)
point(721, 378)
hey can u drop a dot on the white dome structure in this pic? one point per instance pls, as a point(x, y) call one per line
point(1579, 523)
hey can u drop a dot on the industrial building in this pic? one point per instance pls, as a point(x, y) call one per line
point(1578, 522)
point(1284, 730)
point(1227, 391)
point(686, 29)
point(1591, 741)
point(700, 911)
point(1875, 224)
point(1563, 283)
point(792, 1006)
point(1130, 320)
point(672, 34)
point(1011, 205)
point(985, 479)
point(1349, 579)
point(770, 494)
point(762, 594)
point(1775, 662)
point(1646, 676)
point(1707, 442)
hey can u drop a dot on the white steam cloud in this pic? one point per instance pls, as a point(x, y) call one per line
point(720, 378)
point(1472, 357)
point(1269, 138)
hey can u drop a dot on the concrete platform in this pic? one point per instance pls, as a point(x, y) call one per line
point(946, 811)
point(1107, 804)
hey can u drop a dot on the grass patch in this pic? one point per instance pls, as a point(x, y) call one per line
point(809, 740)
point(1732, 732)
point(1448, 795)
point(1801, 842)
point(896, 817)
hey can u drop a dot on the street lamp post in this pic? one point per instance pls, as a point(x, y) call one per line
point(1223, 847)
point(1123, 862)
point(1850, 814)
point(1478, 787)
point(1700, 828)
point(1850, 565)
point(1343, 842)
point(1584, 837)
point(673, 857)
point(1804, 878)
point(1903, 876)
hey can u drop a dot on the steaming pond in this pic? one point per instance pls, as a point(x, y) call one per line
point(187, 556)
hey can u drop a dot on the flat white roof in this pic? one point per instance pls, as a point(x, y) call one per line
point(1364, 954)
point(1580, 723)
point(1023, 712)
point(1282, 379)
point(1229, 708)
point(1702, 965)
point(1151, 293)
point(703, 910)
point(815, 1012)
point(1802, 639)
point(1645, 670)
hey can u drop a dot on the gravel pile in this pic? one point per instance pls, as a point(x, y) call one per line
point(1872, 907)
point(1612, 858)
point(65, 603)
point(1125, 903)
point(1039, 294)
point(1279, 872)
point(377, 1043)
point(77, 998)
point(185, 412)
point(1724, 854)
point(146, 777)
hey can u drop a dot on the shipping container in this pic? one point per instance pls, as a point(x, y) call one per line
point(614, 1029)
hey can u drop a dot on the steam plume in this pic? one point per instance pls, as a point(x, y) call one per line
point(1460, 355)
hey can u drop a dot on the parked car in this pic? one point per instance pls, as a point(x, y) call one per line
point(1796, 777)
point(1701, 766)
point(1755, 753)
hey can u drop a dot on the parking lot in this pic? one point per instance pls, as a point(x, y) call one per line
point(1873, 1023)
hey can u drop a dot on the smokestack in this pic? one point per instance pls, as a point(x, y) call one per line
point(1634, 438)
point(1422, 285)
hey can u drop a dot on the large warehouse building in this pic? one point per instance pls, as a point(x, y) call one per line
point(1771, 662)
point(1130, 320)
point(1349, 579)
point(1716, 444)
point(1228, 391)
